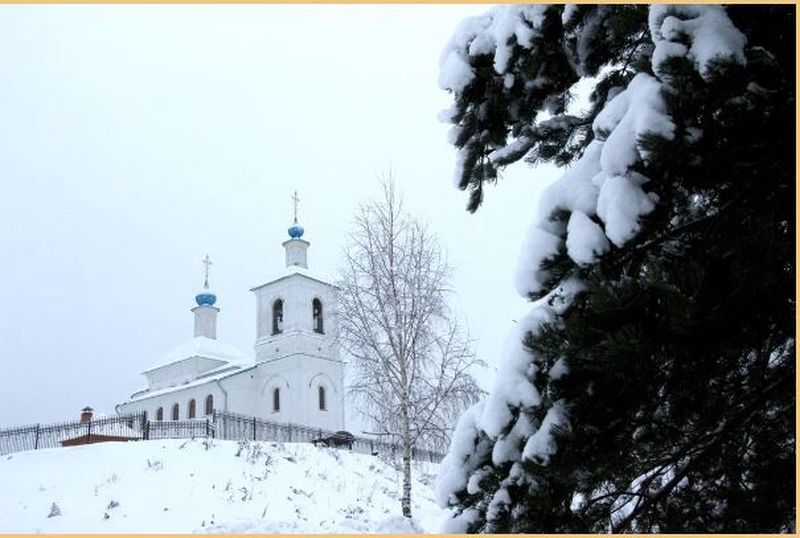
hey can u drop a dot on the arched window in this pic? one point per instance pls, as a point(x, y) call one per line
point(192, 408)
point(316, 309)
point(209, 404)
point(176, 412)
point(322, 403)
point(277, 317)
point(160, 414)
point(276, 400)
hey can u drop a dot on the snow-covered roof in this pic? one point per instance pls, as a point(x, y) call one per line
point(201, 346)
point(208, 377)
point(296, 270)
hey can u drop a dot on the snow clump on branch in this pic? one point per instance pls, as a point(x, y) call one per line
point(707, 30)
point(494, 33)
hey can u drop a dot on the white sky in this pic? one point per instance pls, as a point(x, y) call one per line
point(136, 139)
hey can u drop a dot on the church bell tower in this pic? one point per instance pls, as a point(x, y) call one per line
point(297, 342)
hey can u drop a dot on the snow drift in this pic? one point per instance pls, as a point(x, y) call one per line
point(198, 486)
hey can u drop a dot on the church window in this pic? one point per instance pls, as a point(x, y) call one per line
point(276, 400)
point(160, 414)
point(316, 308)
point(277, 317)
point(175, 412)
point(209, 404)
point(192, 408)
point(322, 403)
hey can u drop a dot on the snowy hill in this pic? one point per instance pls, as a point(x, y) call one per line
point(194, 486)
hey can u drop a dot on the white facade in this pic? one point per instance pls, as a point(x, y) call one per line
point(295, 377)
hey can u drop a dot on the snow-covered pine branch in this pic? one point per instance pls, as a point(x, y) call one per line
point(624, 297)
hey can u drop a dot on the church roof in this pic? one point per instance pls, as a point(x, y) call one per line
point(207, 377)
point(293, 272)
point(200, 346)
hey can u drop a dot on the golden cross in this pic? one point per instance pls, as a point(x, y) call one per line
point(207, 263)
point(296, 201)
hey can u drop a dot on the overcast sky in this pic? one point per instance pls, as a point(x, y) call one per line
point(136, 139)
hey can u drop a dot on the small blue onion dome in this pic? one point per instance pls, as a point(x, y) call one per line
point(296, 231)
point(205, 298)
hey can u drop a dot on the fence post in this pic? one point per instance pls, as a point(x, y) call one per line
point(254, 428)
point(207, 427)
point(36, 441)
point(89, 432)
point(290, 432)
point(146, 430)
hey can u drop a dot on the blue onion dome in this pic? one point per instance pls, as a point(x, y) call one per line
point(296, 231)
point(205, 297)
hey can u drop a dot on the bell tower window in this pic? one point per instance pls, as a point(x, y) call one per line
point(316, 309)
point(277, 317)
point(323, 405)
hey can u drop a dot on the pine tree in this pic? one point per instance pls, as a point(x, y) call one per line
point(651, 388)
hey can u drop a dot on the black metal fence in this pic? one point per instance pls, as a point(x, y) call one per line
point(38, 436)
point(234, 426)
point(219, 425)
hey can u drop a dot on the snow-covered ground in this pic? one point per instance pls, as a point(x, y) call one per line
point(195, 486)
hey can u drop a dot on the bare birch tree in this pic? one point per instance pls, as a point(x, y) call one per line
point(410, 358)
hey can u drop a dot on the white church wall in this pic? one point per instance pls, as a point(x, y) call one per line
point(179, 396)
point(332, 415)
point(250, 392)
point(298, 378)
point(239, 393)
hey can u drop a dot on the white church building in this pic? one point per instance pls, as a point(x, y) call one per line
point(295, 376)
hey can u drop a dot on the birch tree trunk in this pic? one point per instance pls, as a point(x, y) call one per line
point(405, 501)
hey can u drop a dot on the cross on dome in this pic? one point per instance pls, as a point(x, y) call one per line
point(206, 297)
point(207, 263)
point(296, 231)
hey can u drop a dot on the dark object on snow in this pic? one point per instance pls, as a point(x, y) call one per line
point(54, 511)
point(340, 438)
